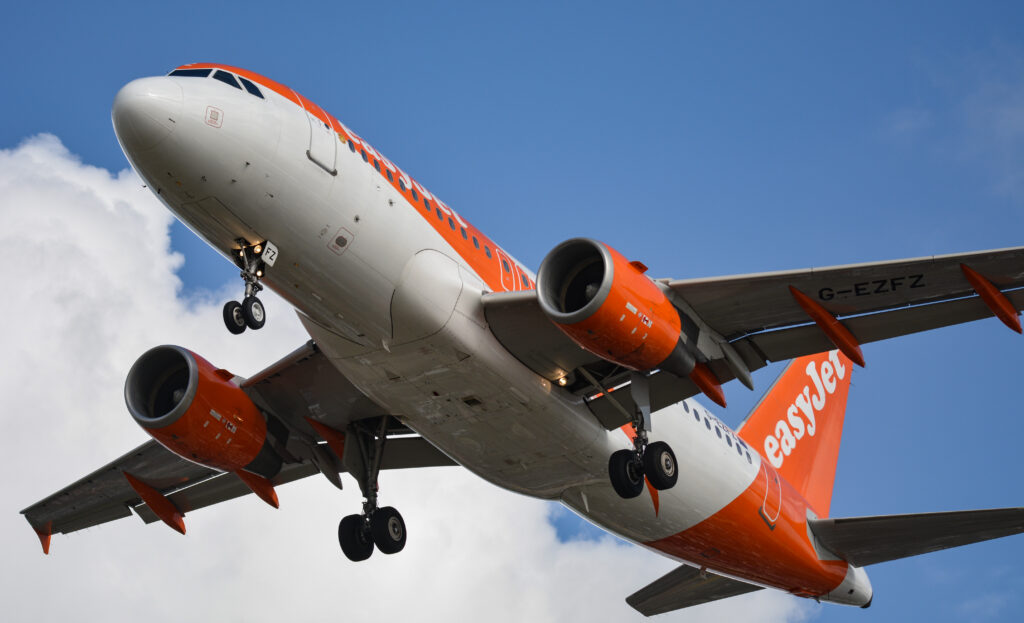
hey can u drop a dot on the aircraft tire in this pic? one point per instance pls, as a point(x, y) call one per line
point(254, 313)
point(233, 318)
point(356, 544)
point(626, 474)
point(388, 530)
point(660, 465)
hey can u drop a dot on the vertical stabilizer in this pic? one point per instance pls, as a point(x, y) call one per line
point(798, 424)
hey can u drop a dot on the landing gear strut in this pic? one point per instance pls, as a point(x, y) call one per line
point(656, 461)
point(252, 259)
point(383, 527)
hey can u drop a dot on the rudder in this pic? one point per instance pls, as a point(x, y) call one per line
point(798, 424)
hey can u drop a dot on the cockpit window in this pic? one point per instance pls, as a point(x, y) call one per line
point(250, 87)
point(191, 73)
point(226, 78)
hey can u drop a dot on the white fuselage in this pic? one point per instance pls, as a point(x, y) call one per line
point(394, 300)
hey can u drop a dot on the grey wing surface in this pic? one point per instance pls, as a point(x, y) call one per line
point(757, 317)
point(299, 387)
point(684, 587)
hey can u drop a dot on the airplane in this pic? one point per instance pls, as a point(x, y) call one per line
point(430, 345)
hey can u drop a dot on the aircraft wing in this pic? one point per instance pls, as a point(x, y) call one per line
point(759, 319)
point(301, 385)
point(684, 587)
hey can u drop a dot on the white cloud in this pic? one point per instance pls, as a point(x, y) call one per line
point(89, 273)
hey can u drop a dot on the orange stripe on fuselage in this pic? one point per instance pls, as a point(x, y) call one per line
point(449, 225)
point(737, 541)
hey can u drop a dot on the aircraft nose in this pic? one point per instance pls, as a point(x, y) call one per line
point(145, 112)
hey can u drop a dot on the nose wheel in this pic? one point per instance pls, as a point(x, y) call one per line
point(253, 259)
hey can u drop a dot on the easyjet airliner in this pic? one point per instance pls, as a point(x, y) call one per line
point(431, 345)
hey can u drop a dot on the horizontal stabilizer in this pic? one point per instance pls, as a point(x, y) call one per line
point(870, 540)
point(685, 587)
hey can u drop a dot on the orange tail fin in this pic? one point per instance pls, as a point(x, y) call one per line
point(798, 424)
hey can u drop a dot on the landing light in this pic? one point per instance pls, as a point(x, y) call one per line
point(563, 381)
point(257, 249)
point(259, 273)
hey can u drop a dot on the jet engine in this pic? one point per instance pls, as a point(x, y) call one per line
point(608, 306)
point(196, 411)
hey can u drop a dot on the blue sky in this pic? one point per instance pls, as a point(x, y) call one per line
point(701, 140)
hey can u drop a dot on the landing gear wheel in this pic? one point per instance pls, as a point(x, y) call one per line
point(233, 318)
point(355, 540)
point(627, 473)
point(388, 530)
point(660, 465)
point(253, 312)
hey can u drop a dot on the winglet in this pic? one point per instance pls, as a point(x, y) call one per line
point(996, 300)
point(44, 535)
point(836, 332)
point(260, 486)
point(158, 503)
point(335, 439)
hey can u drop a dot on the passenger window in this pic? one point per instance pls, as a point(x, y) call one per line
point(352, 147)
point(504, 265)
point(476, 243)
point(226, 78)
point(362, 152)
point(707, 423)
point(451, 223)
point(440, 216)
point(415, 197)
point(749, 460)
point(250, 87)
point(728, 440)
point(401, 184)
point(191, 73)
point(696, 416)
point(464, 234)
point(718, 431)
point(487, 250)
point(426, 204)
point(391, 178)
point(739, 450)
point(376, 165)
point(526, 283)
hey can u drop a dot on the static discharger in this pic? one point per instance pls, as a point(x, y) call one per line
point(836, 332)
point(996, 300)
point(158, 503)
point(260, 486)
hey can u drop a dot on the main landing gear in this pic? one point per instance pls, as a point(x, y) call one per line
point(656, 461)
point(252, 259)
point(380, 527)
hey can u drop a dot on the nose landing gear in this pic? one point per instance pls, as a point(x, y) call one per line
point(252, 259)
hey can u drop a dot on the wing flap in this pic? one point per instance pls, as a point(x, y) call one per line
point(742, 304)
point(870, 540)
point(105, 495)
point(684, 587)
point(790, 343)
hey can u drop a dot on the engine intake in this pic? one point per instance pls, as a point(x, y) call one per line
point(196, 411)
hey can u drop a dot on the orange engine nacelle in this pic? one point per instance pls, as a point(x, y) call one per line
point(609, 307)
point(195, 410)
